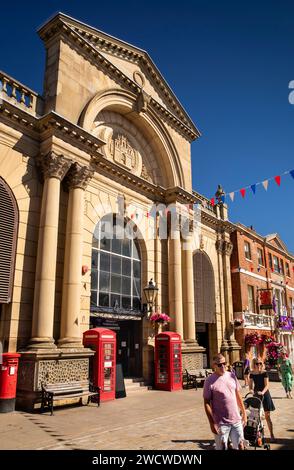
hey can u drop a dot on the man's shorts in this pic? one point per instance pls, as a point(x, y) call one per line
point(234, 431)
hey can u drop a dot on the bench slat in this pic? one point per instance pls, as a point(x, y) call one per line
point(63, 391)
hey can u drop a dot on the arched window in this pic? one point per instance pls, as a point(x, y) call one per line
point(8, 239)
point(116, 266)
point(204, 290)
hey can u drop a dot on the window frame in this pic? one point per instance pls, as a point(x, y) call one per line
point(118, 294)
point(247, 244)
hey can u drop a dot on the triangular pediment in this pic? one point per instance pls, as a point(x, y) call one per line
point(275, 240)
point(133, 62)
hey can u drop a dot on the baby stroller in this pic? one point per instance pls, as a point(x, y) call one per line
point(254, 429)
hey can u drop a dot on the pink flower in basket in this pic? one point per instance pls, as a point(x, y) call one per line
point(159, 318)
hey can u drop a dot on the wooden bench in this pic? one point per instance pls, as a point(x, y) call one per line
point(195, 377)
point(63, 391)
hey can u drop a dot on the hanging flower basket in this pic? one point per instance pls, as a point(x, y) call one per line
point(159, 319)
point(253, 339)
point(274, 350)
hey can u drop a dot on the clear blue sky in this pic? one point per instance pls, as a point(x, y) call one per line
point(228, 62)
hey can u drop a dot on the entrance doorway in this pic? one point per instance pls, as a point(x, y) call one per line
point(128, 343)
point(129, 347)
point(202, 337)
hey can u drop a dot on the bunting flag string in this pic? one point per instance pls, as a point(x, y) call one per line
point(253, 187)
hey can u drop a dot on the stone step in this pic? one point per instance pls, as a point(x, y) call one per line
point(134, 385)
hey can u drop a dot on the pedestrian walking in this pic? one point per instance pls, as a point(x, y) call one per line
point(259, 384)
point(285, 368)
point(246, 370)
point(222, 404)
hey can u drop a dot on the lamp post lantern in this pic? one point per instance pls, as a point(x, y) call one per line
point(150, 292)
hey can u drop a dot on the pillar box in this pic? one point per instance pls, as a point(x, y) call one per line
point(103, 370)
point(8, 381)
point(168, 361)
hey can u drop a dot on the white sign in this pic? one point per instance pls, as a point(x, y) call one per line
point(123, 344)
point(11, 370)
point(108, 364)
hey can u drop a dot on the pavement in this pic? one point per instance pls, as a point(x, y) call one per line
point(145, 420)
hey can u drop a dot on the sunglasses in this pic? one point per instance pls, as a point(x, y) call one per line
point(258, 363)
point(221, 364)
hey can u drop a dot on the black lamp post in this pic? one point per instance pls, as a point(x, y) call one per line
point(150, 292)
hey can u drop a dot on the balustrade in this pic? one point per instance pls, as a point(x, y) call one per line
point(18, 94)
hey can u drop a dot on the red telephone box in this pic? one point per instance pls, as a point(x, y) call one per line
point(168, 361)
point(103, 341)
point(8, 381)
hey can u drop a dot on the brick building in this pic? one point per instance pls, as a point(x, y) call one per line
point(259, 263)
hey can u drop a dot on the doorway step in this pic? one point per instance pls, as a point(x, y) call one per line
point(135, 385)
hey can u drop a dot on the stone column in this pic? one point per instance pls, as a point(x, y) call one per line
point(175, 282)
point(188, 290)
point(77, 181)
point(54, 169)
point(233, 347)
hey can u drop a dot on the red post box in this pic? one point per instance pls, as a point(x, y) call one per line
point(168, 361)
point(103, 341)
point(8, 381)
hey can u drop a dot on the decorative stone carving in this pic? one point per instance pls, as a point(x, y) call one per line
point(53, 166)
point(224, 247)
point(78, 176)
point(142, 102)
point(123, 152)
point(219, 246)
point(145, 175)
point(126, 145)
point(227, 248)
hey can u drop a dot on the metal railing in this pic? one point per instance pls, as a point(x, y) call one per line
point(254, 320)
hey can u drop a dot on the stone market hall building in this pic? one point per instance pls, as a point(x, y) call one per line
point(108, 136)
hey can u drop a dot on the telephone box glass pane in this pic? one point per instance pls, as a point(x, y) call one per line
point(107, 379)
point(108, 366)
point(162, 366)
point(176, 363)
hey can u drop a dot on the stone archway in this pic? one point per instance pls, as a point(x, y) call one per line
point(112, 111)
point(205, 306)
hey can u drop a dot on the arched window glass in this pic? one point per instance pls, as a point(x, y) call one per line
point(116, 266)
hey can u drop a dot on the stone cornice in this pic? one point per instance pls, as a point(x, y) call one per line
point(180, 195)
point(53, 124)
point(60, 25)
point(126, 178)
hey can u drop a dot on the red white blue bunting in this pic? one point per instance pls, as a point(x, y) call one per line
point(252, 187)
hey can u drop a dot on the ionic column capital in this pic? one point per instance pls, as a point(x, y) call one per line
point(78, 176)
point(53, 166)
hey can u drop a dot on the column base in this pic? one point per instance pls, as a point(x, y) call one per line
point(70, 343)
point(192, 355)
point(234, 350)
point(49, 366)
point(41, 343)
